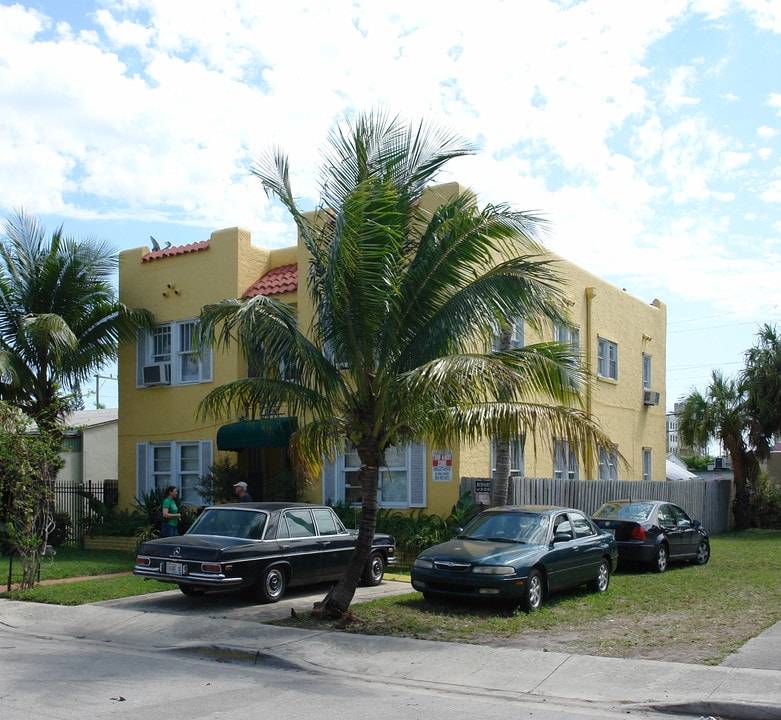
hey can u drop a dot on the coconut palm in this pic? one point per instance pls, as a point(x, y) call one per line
point(405, 304)
point(723, 414)
point(761, 380)
point(59, 319)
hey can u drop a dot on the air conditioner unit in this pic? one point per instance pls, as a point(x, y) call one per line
point(650, 397)
point(157, 374)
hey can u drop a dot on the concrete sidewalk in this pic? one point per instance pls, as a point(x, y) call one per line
point(746, 687)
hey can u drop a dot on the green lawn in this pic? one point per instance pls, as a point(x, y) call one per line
point(688, 614)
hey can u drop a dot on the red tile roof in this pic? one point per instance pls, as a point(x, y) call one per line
point(177, 250)
point(278, 280)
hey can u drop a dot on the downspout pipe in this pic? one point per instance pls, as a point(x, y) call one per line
point(591, 293)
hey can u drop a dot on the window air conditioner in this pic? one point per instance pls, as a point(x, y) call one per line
point(157, 374)
point(650, 397)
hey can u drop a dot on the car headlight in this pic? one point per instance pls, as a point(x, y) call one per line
point(493, 570)
point(423, 564)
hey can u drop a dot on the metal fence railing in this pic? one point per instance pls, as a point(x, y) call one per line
point(705, 500)
point(83, 501)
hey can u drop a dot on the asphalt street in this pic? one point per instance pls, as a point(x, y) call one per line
point(747, 686)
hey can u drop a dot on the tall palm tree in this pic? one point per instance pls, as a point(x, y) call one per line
point(405, 304)
point(761, 380)
point(723, 414)
point(59, 319)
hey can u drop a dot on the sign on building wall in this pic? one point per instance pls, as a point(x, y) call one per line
point(483, 492)
point(442, 465)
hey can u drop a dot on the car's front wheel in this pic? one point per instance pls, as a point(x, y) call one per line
point(661, 559)
point(271, 586)
point(601, 582)
point(703, 553)
point(374, 570)
point(535, 590)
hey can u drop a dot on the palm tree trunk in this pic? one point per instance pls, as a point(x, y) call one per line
point(338, 599)
point(501, 479)
point(745, 469)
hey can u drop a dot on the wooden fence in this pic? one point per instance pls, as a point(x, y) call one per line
point(705, 500)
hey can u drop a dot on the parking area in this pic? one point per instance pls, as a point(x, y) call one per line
point(238, 606)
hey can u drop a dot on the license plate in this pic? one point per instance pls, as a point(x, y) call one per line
point(175, 568)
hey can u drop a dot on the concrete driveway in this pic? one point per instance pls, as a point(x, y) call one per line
point(238, 606)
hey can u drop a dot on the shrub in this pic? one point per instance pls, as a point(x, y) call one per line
point(217, 486)
point(414, 530)
point(123, 524)
point(61, 532)
point(765, 503)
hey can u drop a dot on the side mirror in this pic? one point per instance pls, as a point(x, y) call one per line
point(561, 537)
point(458, 531)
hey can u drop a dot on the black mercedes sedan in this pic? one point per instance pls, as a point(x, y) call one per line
point(260, 547)
point(653, 533)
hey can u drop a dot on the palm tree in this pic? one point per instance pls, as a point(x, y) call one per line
point(405, 304)
point(59, 319)
point(723, 414)
point(761, 380)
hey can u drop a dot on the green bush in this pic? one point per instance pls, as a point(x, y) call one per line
point(414, 530)
point(122, 524)
point(217, 486)
point(61, 532)
point(765, 503)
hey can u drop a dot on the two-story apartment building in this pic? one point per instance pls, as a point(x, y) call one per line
point(163, 441)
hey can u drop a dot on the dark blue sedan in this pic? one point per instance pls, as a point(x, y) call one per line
point(653, 532)
point(518, 554)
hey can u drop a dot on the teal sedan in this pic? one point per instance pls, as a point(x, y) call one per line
point(518, 554)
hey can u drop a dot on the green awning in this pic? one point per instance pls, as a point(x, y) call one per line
point(267, 432)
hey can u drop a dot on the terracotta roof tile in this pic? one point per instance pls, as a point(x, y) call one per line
point(276, 281)
point(176, 250)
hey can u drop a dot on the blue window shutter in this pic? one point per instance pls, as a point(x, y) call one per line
point(141, 452)
point(417, 475)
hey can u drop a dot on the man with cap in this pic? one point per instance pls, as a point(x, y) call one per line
point(241, 492)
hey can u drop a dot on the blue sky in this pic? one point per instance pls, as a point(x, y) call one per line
point(648, 133)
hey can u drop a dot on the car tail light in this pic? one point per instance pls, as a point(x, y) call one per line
point(140, 560)
point(210, 568)
point(638, 533)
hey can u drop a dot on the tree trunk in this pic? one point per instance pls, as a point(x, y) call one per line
point(338, 599)
point(745, 469)
point(501, 479)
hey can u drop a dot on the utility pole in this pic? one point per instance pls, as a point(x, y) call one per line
point(98, 378)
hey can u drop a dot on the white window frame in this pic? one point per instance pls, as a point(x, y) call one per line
point(607, 359)
point(517, 456)
point(409, 460)
point(565, 461)
point(608, 464)
point(569, 336)
point(517, 335)
point(187, 462)
point(646, 371)
point(647, 464)
point(170, 344)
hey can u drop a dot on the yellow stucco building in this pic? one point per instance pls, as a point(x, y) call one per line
point(162, 441)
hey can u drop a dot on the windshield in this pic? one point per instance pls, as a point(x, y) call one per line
point(625, 510)
point(229, 523)
point(518, 527)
